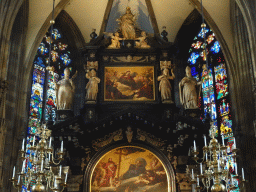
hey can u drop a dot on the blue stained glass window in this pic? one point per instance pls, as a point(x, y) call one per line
point(55, 34)
point(203, 32)
point(65, 58)
point(216, 47)
point(193, 57)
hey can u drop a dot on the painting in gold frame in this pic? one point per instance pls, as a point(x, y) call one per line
point(129, 169)
point(129, 83)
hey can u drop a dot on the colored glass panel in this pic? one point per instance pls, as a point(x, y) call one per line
point(203, 32)
point(65, 58)
point(221, 83)
point(216, 47)
point(226, 126)
point(193, 57)
point(55, 34)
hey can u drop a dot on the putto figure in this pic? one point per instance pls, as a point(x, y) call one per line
point(127, 22)
point(92, 85)
point(189, 89)
point(115, 43)
point(65, 90)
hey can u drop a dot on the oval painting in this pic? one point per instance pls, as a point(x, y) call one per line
point(129, 169)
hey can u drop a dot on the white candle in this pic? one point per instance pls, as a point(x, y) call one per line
point(66, 178)
point(34, 139)
point(197, 181)
point(218, 165)
point(234, 143)
point(23, 144)
point(13, 173)
point(223, 143)
point(206, 156)
point(42, 165)
point(205, 144)
point(55, 184)
point(243, 174)
point(18, 180)
point(193, 174)
point(50, 142)
point(194, 145)
point(60, 171)
point(61, 149)
point(189, 152)
point(236, 168)
point(201, 168)
point(23, 166)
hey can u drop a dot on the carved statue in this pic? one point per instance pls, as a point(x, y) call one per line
point(127, 24)
point(142, 41)
point(165, 85)
point(115, 43)
point(189, 90)
point(129, 134)
point(92, 85)
point(65, 90)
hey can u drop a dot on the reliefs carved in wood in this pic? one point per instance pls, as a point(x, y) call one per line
point(115, 136)
point(144, 136)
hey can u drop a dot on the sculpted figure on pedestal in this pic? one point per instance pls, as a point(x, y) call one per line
point(165, 86)
point(65, 90)
point(127, 24)
point(92, 85)
point(189, 90)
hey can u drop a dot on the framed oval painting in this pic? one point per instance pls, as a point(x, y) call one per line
point(130, 169)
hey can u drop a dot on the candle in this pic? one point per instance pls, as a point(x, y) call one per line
point(18, 180)
point(50, 142)
point(60, 171)
point(223, 140)
point(23, 166)
point(236, 168)
point(243, 174)
point(218, 165)
point(206, 156)
point(55, 184)
point(23, 144)
point(34, 139)
point(197, 181)
point(201, 168)
point(193, 175)
point(189, 152)
point(13, 173)
point(194, 145)
point(42, 165)
point(66, 178)
point(61, 149)
point(205, 144)
point(234, 143)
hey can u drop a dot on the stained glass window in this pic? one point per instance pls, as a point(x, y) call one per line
point(208, 65)
point(43, 98)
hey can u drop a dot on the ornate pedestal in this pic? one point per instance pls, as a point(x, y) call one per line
point(63, 115)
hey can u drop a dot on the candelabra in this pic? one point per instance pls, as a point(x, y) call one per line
point(37, 173)
point(216, 174)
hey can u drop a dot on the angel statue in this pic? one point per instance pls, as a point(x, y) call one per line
point(65, 90)
point(115, 43)
point(189, 90)
point(127, 22)
point(92, 85)
point(165, 86)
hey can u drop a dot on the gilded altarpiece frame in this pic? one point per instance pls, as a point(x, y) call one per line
point(131, 169)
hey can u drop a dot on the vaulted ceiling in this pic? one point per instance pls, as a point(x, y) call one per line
point(89, 14)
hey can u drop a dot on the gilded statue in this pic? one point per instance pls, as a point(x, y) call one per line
point(142, 41)
point(189, 90)
point(127, 22)
point(115, 43)
point(92, 85)
point(165, 86)
point(65, 90)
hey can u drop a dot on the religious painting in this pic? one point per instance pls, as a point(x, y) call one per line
point(129, 169)
point(129, 83)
